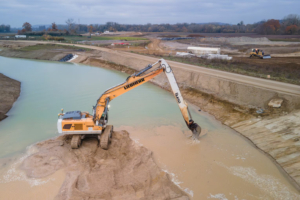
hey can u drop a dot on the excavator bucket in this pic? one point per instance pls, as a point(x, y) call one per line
point(196, 131)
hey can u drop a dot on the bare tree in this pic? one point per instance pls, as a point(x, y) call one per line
point(90, 27)
point(240, 26)
point(54, 27)
point(292, 19)
point(71, 24)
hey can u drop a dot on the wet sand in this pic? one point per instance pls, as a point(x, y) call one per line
point(126, 171)
point(15, 184)
point(221, 165)
point(24, 190)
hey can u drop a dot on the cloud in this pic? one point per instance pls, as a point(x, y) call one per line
point(16, 12)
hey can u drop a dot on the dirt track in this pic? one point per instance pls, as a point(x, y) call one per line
point(125, 171)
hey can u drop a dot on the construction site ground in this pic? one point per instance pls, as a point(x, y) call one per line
point(283, 66)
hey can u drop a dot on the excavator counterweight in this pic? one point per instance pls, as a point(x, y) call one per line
point(80, 124)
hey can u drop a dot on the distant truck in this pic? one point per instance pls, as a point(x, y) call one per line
point(20, 36)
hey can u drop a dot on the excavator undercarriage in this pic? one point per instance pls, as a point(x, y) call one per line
point(82, 124)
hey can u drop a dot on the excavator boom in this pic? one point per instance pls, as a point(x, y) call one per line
point(137, 79)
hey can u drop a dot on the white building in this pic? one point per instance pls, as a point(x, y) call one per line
point(20, 36)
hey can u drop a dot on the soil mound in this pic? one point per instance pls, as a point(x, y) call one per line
point(124, 171)
point(9, 93)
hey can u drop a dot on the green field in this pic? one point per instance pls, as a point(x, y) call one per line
point(285, 40)
point(85, 38)
point(51, 46)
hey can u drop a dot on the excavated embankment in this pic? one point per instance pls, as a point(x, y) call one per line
point(125, 171)
point(9, 92)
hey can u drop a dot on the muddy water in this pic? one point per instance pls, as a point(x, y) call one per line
point(223, 165)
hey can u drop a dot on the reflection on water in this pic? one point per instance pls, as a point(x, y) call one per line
point(222, 165)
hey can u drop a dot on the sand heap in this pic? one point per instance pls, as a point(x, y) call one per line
point(125, 171)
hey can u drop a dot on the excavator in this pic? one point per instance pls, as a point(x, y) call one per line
point(259, 53)
point(81, 124)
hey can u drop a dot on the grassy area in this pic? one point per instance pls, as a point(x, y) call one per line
point(142, 44)
point(52, 47)
point(288, 75)
point(285, 40)
point(85, 38)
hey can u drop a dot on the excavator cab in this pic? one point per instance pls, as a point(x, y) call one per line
point(259, 54)
point(104, 118)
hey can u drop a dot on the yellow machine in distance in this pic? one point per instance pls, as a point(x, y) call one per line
point(258, 53)
point(80, 124)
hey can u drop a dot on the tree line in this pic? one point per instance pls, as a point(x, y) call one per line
point(288, 25)
point(4, 28)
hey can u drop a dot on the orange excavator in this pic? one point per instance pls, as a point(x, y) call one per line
point(82, 124)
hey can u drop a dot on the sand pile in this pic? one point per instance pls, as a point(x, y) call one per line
point(125, 171)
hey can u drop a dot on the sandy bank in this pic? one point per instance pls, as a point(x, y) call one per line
point(9, 92)
point(125, 171)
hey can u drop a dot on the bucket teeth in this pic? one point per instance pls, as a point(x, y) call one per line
point(196, 129)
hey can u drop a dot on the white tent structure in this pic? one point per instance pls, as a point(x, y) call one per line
point(204, 50)
point(20, 36)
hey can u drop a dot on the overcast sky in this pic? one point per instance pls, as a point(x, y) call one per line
point(16, 12)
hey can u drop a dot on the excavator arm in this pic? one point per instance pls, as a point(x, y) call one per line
point(101, 108)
